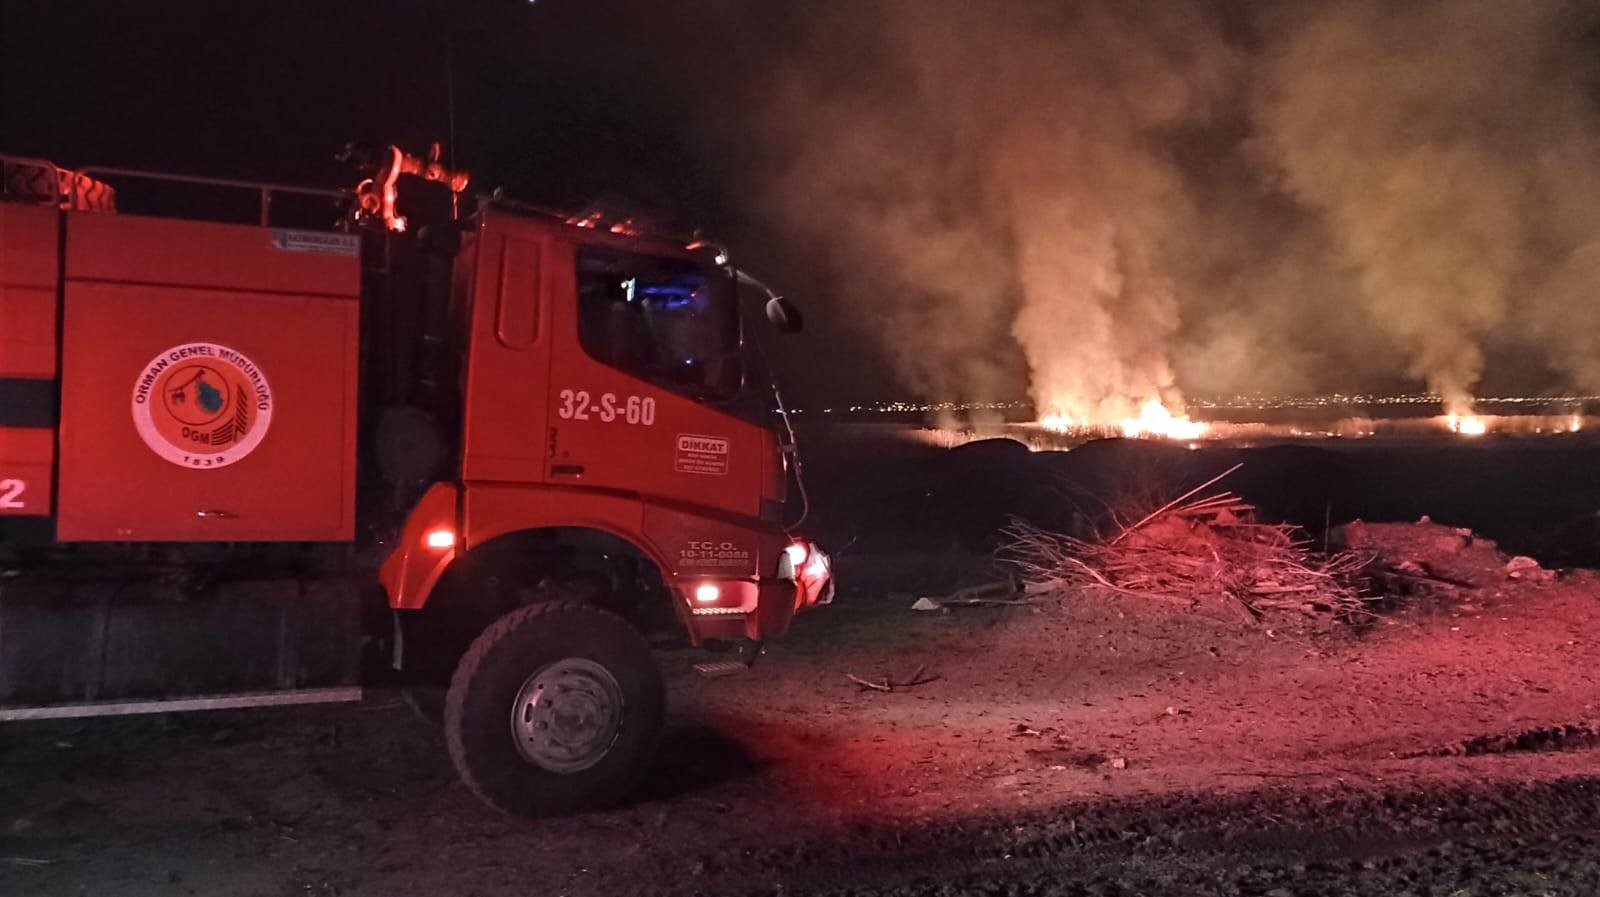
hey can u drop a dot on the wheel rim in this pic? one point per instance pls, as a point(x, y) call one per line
point(567, 715)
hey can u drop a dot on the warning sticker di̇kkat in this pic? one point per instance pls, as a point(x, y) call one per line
point(701, 454)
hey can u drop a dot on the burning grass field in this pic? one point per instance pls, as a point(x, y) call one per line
point(1040, 436)
point(1236, 421)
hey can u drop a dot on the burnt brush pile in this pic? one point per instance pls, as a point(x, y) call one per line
point(1207, 552)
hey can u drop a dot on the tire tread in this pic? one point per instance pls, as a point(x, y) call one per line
point(472, 663)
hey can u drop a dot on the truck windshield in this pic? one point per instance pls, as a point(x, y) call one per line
point(669, 321)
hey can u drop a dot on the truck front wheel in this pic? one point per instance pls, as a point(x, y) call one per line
point(555, 708)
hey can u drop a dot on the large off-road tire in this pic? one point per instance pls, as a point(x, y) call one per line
point(555, 708)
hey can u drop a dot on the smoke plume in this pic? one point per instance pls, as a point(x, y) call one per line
point(1147, 197)
point(1415, 131)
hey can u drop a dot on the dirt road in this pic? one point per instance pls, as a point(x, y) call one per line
point(1075, 746)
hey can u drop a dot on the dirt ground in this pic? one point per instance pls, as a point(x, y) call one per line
point(1080, 744)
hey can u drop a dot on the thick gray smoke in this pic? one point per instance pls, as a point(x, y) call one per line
point(1149, 197)
point(1435, 140)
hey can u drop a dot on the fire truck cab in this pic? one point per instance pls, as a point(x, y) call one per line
point(536, 442)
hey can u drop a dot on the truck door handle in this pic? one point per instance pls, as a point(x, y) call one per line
point(217, 514)
point(569, 470)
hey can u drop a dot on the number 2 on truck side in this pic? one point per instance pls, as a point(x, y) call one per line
point(11, 495)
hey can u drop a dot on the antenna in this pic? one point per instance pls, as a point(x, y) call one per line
point(450, 89)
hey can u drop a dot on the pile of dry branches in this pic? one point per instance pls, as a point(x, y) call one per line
point(1209, 551)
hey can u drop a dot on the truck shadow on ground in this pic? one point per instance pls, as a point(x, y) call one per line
point(694, 756)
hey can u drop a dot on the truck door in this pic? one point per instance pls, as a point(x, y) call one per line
point(645, 369)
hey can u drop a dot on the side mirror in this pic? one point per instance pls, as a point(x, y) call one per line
point(784, 315)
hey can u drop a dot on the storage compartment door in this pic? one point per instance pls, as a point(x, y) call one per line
point(192, 414)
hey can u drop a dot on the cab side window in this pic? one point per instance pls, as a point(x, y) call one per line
point(665, 320)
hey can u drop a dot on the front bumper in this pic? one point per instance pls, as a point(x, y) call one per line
point(811, 570)
point(762, 609)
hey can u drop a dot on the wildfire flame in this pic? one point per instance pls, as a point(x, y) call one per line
point(1466, 424)
point(1058, 423)
point(1155, 421)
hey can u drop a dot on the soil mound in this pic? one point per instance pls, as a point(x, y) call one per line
point(1444, 554)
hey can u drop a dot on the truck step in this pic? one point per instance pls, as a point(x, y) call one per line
point(718, 668)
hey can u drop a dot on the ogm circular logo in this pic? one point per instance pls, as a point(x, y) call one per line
point(202, 405)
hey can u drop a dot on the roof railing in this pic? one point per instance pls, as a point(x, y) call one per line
point(264, 190)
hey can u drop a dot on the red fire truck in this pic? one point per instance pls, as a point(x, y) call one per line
point(503, 450)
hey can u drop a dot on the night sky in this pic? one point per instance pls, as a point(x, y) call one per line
point(563, 96)
point(560, 102)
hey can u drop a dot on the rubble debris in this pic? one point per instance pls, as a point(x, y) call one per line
point(1524, 567)
point(1410, 577)
point(992, 594)
point(1519, 563)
